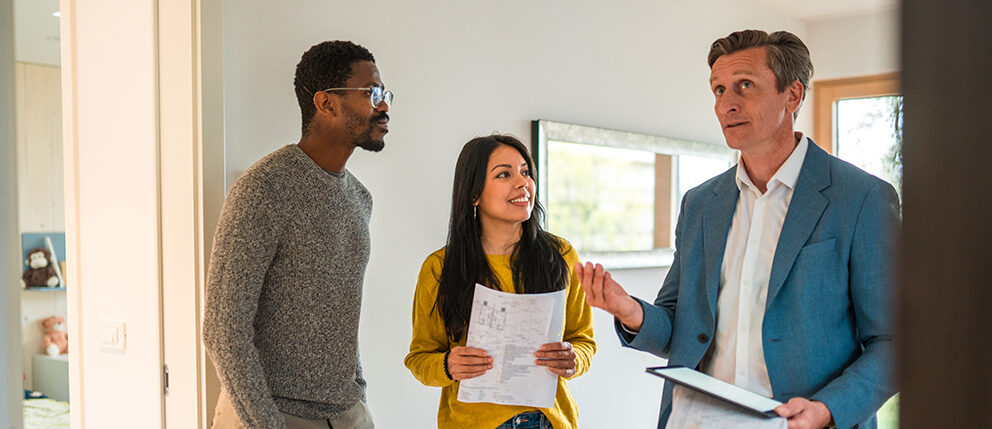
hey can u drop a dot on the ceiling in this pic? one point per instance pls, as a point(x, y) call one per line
point(814, 10)
point(36, 32)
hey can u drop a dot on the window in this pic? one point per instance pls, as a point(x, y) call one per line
point(615, 194)
point(860, 121)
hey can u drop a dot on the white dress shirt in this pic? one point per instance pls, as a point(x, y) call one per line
point(736, 355)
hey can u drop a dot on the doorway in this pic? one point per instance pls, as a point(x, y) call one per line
point(40, 208)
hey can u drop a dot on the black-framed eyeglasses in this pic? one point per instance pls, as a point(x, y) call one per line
point(377, 94)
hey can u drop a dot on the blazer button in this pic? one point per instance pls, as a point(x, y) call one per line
point(703, 338)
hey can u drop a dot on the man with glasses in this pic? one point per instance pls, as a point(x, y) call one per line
point(284, 287)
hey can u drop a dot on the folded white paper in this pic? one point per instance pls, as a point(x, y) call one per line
point(694, 410)
point(511, 327)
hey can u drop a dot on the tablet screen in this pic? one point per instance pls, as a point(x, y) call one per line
point(717, 388)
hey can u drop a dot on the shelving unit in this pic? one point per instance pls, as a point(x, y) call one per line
point(51, 375)
point(44, 289)
point(40, 206)
point(37, 303)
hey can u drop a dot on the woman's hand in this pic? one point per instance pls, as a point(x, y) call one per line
point(468, 362)
point(558, 357)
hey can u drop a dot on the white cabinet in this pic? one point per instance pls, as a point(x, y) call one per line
point(51, 376)
point(41, 204)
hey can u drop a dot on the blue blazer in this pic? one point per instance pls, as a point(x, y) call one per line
point(827, 330)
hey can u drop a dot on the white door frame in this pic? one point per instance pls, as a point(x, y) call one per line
point(192, 192)
point(187, 186)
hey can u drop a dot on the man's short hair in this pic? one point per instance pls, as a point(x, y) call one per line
point(788, 56)
point(325, 65)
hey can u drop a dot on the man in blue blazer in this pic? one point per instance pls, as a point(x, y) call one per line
point(781, 278)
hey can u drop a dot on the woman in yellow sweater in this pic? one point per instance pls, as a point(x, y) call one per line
point(495, 239)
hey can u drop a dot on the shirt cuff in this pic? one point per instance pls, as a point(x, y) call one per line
point(628, 330)
point(627, 333)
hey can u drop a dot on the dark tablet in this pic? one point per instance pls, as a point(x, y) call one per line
point(719, 389)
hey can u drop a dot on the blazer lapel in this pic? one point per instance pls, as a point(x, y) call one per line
point(804, 213)
point(717, 215)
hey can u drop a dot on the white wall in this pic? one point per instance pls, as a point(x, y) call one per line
point(855, 45)
point(10, 338)
point(462, 69)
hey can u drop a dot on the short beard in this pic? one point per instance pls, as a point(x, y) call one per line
point(365, 140)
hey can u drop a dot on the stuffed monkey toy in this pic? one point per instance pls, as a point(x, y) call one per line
point(41, 273)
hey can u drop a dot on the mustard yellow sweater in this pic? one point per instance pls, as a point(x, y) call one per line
point(430, 342)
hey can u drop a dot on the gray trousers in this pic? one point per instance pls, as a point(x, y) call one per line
point(356, 417)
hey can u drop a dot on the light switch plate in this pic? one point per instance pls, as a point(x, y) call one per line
point(113, 336)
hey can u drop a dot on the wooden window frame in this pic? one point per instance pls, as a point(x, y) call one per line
point(826, 93)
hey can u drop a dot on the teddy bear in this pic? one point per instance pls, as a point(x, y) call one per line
point(56, 340)
point(41, 273)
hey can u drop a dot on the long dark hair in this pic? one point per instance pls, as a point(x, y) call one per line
point(536, 261)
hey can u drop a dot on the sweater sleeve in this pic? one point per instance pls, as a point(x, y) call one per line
point(244, 246)
point(430, 339)
point(578, 317)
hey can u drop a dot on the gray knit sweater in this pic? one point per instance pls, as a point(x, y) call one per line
point(284, 290)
